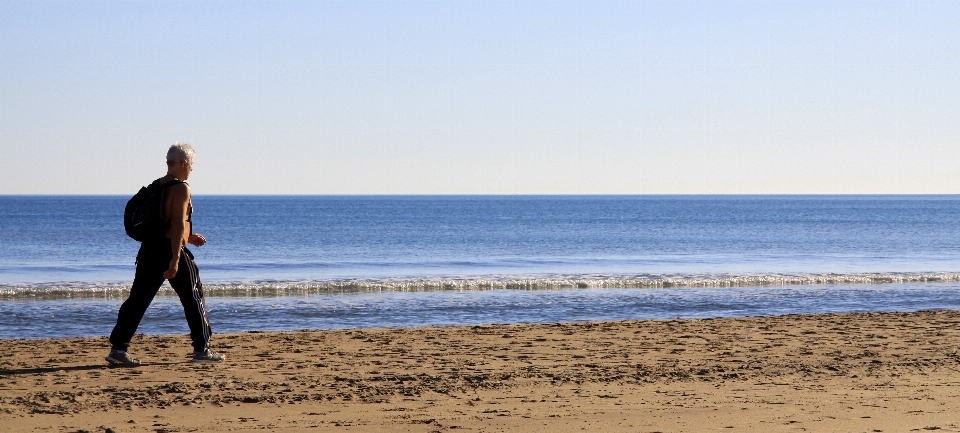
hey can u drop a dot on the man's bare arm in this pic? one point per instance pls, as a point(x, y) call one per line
point(177, 204)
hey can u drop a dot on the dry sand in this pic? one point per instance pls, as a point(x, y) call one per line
point(889, 372)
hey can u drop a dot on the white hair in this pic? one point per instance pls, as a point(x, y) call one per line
point(179, 152)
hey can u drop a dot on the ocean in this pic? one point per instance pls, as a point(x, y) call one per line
point(324, 262)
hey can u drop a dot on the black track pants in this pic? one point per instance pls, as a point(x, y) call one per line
point(152, 261)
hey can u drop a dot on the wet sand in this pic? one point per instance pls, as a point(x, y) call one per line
point(878, 372)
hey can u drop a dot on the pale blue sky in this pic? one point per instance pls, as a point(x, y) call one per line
point(542, 97)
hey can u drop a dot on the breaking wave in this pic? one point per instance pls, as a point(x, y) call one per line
point(281, 288)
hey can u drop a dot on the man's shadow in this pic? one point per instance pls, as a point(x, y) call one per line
point(22, 371)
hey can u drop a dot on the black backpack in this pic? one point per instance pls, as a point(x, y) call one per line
point(143, 216)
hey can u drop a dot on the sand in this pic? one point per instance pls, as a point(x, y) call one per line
point(878, 372)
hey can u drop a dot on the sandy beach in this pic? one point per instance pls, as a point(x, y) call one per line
point(878, 372)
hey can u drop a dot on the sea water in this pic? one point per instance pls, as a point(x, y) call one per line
point(320, 262)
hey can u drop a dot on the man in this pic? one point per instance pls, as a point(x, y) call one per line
point(165, 257)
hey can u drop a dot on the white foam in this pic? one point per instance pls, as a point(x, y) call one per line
point(273, 288)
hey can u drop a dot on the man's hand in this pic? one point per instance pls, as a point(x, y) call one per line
point(197, 239)
point(172, 270)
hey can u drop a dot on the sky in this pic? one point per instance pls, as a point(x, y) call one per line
point(482, 97)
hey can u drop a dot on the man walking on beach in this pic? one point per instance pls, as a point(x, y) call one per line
point(164, 256)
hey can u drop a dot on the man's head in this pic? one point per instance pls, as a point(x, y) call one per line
point(180, 160)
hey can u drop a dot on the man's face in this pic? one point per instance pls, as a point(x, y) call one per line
point(186, 166)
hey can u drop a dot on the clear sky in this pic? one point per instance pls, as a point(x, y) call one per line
point(489, 97)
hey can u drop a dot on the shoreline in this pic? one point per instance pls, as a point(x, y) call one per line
point(822, 372)
point(110, 289)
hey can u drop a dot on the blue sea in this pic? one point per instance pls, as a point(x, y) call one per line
point(323, 262)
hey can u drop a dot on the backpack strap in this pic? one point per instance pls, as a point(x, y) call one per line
point(163, 189)
point(169, 182)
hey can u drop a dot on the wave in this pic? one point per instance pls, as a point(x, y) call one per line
point(280, 288)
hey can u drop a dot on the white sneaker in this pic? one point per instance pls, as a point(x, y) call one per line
point(207, 357)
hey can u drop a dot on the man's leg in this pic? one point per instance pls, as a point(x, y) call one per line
point(146, 283)
point(188, 287)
